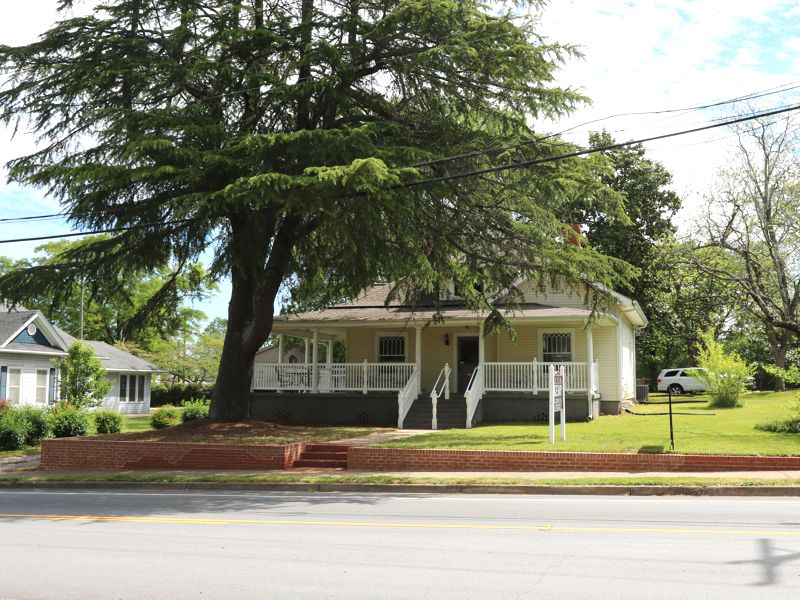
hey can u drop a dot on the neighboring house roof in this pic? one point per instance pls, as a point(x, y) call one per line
point(13, 323)
point(113, 358)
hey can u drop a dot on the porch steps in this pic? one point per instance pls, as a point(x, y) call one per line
point(450, 414)
point(323, 456)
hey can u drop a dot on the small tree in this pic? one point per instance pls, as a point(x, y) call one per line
point(724, 373)
point(83, 378)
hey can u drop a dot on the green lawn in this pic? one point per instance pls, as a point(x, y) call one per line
point(135, 423)
point(727, 431)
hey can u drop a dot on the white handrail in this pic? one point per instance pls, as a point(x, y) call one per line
point(474, 393)
point(532, 376)
point(406, 397)
point(439, 388)
point(336, 377)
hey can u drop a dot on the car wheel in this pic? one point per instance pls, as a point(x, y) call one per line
point(675, 389)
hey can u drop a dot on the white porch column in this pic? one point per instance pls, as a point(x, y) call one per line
point(280, 348)
point(418, 358)
point(329, 353)
point(590, 367)
point(306, 359)
point(481, 346)
point(315, 361)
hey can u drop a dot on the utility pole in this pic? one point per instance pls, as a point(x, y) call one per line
point(81, 328)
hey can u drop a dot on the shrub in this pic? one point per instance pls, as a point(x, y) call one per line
point(724, 373)
point(38, 425)
point(179, 393)
point(166, 416)
point(4, 404)
point(68, 421)
point(790, 425)
point(107, 421)
point(84, 381)
point(195, 409)
point(13, 429)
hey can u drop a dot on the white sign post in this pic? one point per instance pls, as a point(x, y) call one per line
point(557, 402)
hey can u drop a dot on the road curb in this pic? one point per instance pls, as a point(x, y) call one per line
point(582, 490)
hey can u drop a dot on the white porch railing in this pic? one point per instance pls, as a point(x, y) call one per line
point(474, 393)
point(406, 397)
point(441, 387)
point(341, 377)
point(532, 376)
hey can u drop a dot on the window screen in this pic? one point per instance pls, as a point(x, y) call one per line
point(557, 347)
point(392, 348)
point(123, 388)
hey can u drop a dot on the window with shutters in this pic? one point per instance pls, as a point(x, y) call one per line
point(392, 348)
point(557, 347)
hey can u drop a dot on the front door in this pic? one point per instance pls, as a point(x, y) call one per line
point(467, 360)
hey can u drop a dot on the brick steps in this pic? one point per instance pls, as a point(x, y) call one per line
point(323, 456)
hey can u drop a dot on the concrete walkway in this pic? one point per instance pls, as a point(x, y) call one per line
point(381, 437)
point(14, 464)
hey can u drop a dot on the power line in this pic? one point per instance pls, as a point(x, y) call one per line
point(496, 169)
point(759, 94)
point(96, 232)
point(537, 161)
point(768, 92)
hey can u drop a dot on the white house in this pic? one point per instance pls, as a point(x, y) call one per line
point(29, 343)
point(404, 364)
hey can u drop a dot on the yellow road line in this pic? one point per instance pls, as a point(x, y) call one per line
point(546, 527)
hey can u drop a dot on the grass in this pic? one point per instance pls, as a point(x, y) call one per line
point(26, 451)
point(383, 479)
point(135, 423)
point(716, 431)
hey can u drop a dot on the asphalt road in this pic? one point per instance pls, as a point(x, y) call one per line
point(270, 546)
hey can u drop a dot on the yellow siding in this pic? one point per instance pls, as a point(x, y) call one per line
point(606, 355)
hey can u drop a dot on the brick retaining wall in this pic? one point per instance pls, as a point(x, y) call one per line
point(403, 459)
point(92, 454)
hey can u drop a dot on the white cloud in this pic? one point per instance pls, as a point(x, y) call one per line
point(644, 56)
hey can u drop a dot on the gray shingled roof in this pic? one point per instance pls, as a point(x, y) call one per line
point(11, 322)
point(114, 359)
point(372, 306)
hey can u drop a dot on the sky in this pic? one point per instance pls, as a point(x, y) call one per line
point(638, 56)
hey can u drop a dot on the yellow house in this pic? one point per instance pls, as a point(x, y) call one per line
point(405, 367)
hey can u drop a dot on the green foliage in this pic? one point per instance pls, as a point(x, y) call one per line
point(13, 429)
point(37, 424)
point(83, 382)
point(724, 373)
point(121, 309)
point(283, 139)
point(107, 421)
point(191, 359)
point(194, 409)
point(68, 421)
point(179, 393)
point(166, 416)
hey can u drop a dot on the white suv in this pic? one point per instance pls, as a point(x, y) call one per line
point(678, 381)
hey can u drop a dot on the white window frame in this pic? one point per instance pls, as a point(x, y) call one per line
point(138, 397)
point(19, 387)
point(37, 387)
point(570, 332)
point(397, 334)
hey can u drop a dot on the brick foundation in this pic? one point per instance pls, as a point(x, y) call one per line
point(402, 459)
point(91, 454)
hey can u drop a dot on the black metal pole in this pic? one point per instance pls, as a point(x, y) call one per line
point(671, 431)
